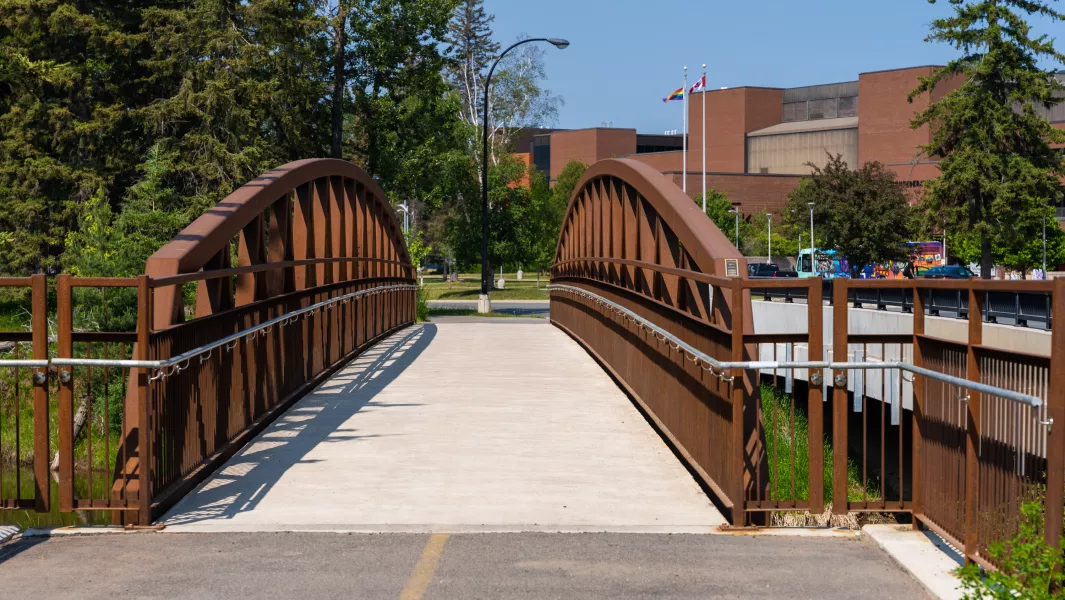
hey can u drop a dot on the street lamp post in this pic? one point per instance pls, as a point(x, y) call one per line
point(1044, 246)
point(812, 245)
point(769, 236)
point(736, 210)
point(484, 304)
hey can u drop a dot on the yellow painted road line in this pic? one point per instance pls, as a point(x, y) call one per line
point(425, 569)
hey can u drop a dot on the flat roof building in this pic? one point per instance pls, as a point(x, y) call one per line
point(760, 141)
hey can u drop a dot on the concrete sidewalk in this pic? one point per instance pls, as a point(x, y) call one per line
point(457, 428)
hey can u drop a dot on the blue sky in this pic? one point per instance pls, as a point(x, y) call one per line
point(626, 55)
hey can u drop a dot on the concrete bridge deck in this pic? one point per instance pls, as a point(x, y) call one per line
point(488, 426)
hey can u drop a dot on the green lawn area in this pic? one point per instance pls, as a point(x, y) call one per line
point(470, 289)
point(462, 312)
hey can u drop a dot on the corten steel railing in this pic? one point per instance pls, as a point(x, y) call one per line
point(24, 410)
point(92, 412)
point(322, 273)
point(633, 238)
point(1018, 456)
point(656, 359)
point(1018, 308)
point(962, 460)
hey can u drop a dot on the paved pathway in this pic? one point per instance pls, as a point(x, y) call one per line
point(486, 426)
point(524, 308)
point(412, 566)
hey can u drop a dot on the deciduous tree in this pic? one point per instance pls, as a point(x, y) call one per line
point(999, 172)
point(864, 213)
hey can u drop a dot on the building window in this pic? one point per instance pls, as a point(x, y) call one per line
point(848, 107)
point(794, 111)
point(823, 109)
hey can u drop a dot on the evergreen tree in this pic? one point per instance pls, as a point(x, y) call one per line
point(1000, 176)
point(241, 94)
point(69, 75)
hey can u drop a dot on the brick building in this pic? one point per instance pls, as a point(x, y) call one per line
point(760, 140)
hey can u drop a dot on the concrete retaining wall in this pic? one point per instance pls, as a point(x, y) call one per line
point(781, 317)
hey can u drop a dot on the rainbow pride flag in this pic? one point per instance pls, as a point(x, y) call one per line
point(678, 94)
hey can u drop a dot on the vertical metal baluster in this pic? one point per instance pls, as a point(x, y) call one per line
point(883, 426)
point(865, 435)
point(88, 422)
point(18, 429)
point(107, 425)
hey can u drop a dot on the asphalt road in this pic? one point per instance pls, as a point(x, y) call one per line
point(519, 566)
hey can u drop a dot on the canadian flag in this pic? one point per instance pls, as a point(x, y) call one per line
point(699, 85)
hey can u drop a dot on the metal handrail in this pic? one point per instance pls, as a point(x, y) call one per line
point(23, 363)
point(181, 362)
point(699, 356)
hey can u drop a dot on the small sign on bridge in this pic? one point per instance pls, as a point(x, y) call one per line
point(732, 267)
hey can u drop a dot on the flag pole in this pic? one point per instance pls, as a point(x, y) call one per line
point(703, 90)
point(684, 132)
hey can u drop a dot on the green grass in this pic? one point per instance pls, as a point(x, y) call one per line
point(783, 435)
point(16, 401)
point(462, 312)
point(521, 290)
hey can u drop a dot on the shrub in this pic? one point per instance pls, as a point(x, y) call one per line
point(1028, 566)
point(422, 304)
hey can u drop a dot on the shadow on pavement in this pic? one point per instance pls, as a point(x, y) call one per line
point(315, 419)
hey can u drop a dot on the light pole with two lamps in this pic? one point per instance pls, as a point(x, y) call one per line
point(484, 304)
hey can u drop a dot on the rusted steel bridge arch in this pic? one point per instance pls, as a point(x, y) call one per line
point(314, 238)
point(633, 238)
point(327, 214)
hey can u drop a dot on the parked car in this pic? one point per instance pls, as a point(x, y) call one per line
point(947, 272)
point(762, 271)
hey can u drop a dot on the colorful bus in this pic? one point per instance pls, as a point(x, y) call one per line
point(924, 255)
point(830, 264)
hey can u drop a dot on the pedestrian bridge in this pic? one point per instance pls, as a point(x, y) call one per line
point(451, 428)
point(294, 390)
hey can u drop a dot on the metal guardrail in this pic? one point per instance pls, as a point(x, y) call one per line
point(1022, 307)
point(718, 367)
point(180, 362)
